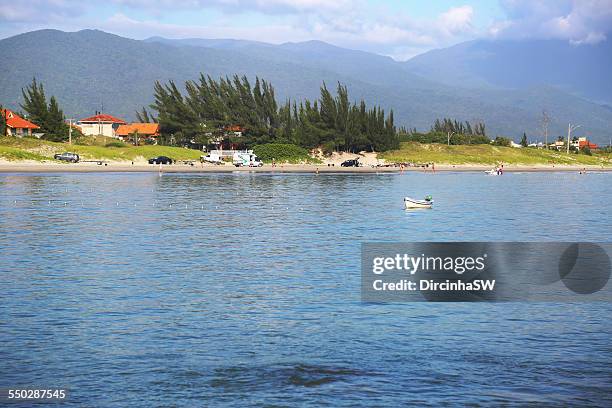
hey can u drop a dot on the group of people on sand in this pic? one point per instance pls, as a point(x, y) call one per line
point(423, 167)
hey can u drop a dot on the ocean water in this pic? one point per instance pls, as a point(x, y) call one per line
point(244, 289)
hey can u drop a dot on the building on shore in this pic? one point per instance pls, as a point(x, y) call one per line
point(584, 142)
point(16, 125)
point(138, 133)
point(100, 124)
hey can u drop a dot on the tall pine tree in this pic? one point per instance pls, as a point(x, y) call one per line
point(35, 104)
point(49, 117)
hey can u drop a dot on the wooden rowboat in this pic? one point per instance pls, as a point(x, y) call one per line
point(412, 203)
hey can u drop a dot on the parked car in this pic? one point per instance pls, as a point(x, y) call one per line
point(351, 163)
point(161, 160)
point(66, 156)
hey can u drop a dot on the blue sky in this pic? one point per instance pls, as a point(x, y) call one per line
point(397, 28)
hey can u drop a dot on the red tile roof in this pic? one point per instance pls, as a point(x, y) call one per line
point(17, 122)
point(234, 128)
point(584, 143)
point(143, 129)
point(103, 117)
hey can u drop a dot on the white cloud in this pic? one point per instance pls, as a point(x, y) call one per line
point(457, 19)
point(241, 6)
point(124, 25)
point(578, 21)
point(39, 10)
point(358, 26)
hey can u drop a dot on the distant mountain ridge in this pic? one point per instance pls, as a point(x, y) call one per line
point(92, 70)
point(583, 70)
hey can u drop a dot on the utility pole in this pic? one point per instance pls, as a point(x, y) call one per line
point(545, 122)
point(570, 128)
point(70, 131)
point(449, 134)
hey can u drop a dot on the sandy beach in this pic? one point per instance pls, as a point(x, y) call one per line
point(123, 167)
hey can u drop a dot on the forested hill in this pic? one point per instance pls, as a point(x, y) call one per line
point(583, 70)
point(91, 70)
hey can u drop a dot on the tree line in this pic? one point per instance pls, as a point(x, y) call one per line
point(449, 131)
point(207, 107)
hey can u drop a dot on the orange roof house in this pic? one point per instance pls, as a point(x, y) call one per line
point(234, 128)
point(585, 143)
point(16, 125)
point(144, 130)
point(100, 124)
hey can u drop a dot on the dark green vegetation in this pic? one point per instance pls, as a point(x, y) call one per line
point(449, 131)
point(2, 121)
point(118, 80)
point(502, 141)
point(48, 116)
point(209, 107)
point(283, 153)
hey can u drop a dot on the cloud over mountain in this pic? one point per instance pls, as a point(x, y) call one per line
point(578, 21)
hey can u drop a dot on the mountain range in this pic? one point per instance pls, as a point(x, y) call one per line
point(506, 84)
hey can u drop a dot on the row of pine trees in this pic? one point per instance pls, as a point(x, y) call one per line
point(207, 106)
point(461, 128)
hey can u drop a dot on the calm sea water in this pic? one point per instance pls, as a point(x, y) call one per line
point(244, 289)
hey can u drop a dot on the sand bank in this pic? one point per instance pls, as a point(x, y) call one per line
point(120, 167)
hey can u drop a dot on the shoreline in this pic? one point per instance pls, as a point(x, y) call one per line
point(21, 167)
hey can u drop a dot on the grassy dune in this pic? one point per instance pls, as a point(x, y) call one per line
point(15, 149)
point(487, 154)
point(12, 148)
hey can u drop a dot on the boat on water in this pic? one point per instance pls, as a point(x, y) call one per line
point(410, 203)
point(493, 172)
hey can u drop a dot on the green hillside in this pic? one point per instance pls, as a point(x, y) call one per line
point(92, 70)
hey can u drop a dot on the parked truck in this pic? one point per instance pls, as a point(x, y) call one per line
point(213, 158)
point(246, 159)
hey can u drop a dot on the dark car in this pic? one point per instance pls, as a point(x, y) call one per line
point(66, 156)
point(351, 163)
point(161, 160)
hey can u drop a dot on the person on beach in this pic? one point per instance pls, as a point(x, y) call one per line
point(433, 167)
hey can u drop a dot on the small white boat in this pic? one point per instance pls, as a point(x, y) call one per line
point(412, 203)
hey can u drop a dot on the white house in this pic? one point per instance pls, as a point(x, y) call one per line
point(100, 124)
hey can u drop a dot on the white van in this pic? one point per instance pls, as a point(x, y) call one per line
point(247, 159)
point(213, 158)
